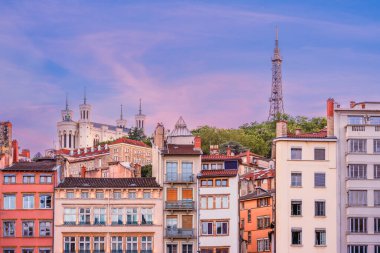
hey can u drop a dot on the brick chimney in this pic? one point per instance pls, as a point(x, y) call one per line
point(197, 142)
point(15, 151)
point(330, 117)
point(137, 170)
point(214, 149)
point(159, 136)
point(83, 172)
point(25, 153)
point(228, 150)
point(281, 129)
point(298, 131)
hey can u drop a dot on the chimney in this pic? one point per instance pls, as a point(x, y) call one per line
point(159, 136)
point(197, 142)
point(298, 131)
point(214, 149)
point(352, 104)
point(83, 172)
point(137, 170)
point(25, 153)
point(15, 151)
point(281, 129)
point(330, 117)
point(228, 151)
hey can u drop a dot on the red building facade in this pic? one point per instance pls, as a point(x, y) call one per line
point(26, 208)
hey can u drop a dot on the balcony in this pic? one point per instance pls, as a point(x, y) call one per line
point(179, 178)
point(179, 233)
point(353, 131)
point(180, 205)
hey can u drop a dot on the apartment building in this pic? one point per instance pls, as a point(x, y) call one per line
point(104, 215)
point(306, 191)
point(218, 204)
point(176, 162)
point(256, 211)
point(26, 211)
point(358, 130)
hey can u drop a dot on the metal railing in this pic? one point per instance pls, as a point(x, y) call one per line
point(179, 178)
point(179, 233)
point(180, 205)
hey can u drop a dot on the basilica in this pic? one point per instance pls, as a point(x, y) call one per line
point(85, 133)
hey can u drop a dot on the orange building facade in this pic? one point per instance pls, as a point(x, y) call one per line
point(26, 208)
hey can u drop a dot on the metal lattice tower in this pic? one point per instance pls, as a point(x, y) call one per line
point(276, 100)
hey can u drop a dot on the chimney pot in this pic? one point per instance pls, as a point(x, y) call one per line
point(281, 128)
point(197, 142)
point(298, 131)
point(330, 117)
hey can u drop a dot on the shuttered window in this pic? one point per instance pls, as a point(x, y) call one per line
point(187, 221)
point(172, 194)
point(187, 193)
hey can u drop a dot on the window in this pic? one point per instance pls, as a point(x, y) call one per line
point(296, 236)
point(376, 196)
point(69, 244)
point(100, 216)
point(357, 225)
point(9, 228)
point(374, 120)
point(9, 201)
point(132, 195)
point(45, 201)
point(44, 250)
point(70, 194)
point(84, 195)
point(9, 251)
point(132, 244)
point(221, 227)
point(28, 179)
point(207, 228)
point(84, 216)
point(132, 216)
point(204, 166)
point(249, 215)
point(45, 228)
point(357, 198)
point(100, 195)
point(263, 222)
point(249, 239)
point(207, 183)
point(117, 194)
point(296, 153)
point(376, 173)
point(28, 201)
point(296, 179)
point(146, 195)
point(320, 237)
point(117, 216)
point(357, 249)
point(357, 171)
point(263, 245)
point(187, 248)
point(99, 245)
point(377, 248)
point(358, 145)
point(146, 244)
point(27, 251)
point(171, 248)
point(116, 244)
point(171, 171)
point(221, 202)
point(187, 171)
point(84, 244)
point(319, 154)
point(27, 228)
point(296, 208)
point(221, 182)
point(320, 208)
point(263, 202)
point(69, 216)
point(45, 179)
point(319, 180)
point(377, 225)
point(9, 179)
point(146, 216)
point(355, 120)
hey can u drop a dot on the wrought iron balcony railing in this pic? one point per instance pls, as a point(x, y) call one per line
point(179, 178)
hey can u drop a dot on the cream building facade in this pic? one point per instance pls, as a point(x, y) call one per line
point(85, 133)
point(306, 192)
point(176, 162)
point(358, 130)
point(105, 215)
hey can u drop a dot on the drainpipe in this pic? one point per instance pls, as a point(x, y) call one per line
point(198, 216)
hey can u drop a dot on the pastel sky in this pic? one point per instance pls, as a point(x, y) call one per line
point(208, 61)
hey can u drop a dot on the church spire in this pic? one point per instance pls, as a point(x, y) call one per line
point(121, 112)
point(85, 96)
point(67, 102)
point(140, 108)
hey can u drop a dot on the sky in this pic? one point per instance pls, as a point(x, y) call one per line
point(208, 61)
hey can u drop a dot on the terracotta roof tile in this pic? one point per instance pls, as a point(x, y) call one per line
point(219, 157)
point(45, 165)
point(174, 149)
point(257, 194)
point(320, 134)
point(78, 182)
point(259, 174)
point(218, 173)
point(129, 141)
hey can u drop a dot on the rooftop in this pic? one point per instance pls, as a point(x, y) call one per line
point(180, 129)
point(218, 173)
point(174, 149)
point(219, 158)
point(317, 135)
point(47, 165)
point(78, 182)
point(258, 193)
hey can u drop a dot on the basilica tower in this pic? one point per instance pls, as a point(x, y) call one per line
point(140, 119)
point(85, 124)
point(67, 129)
point(121, 123)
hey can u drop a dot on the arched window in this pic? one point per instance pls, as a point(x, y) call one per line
point(70, 140)
point(64, 140)
point(87, 115)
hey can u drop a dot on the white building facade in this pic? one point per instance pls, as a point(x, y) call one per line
point(358, 132)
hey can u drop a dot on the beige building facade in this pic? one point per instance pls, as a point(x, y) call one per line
point(107, 215)
point(306, 192)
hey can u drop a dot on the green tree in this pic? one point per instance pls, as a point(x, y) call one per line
point(235, 147)
point(146, 171)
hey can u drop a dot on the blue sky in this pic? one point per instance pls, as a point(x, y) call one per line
point(208, 61)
